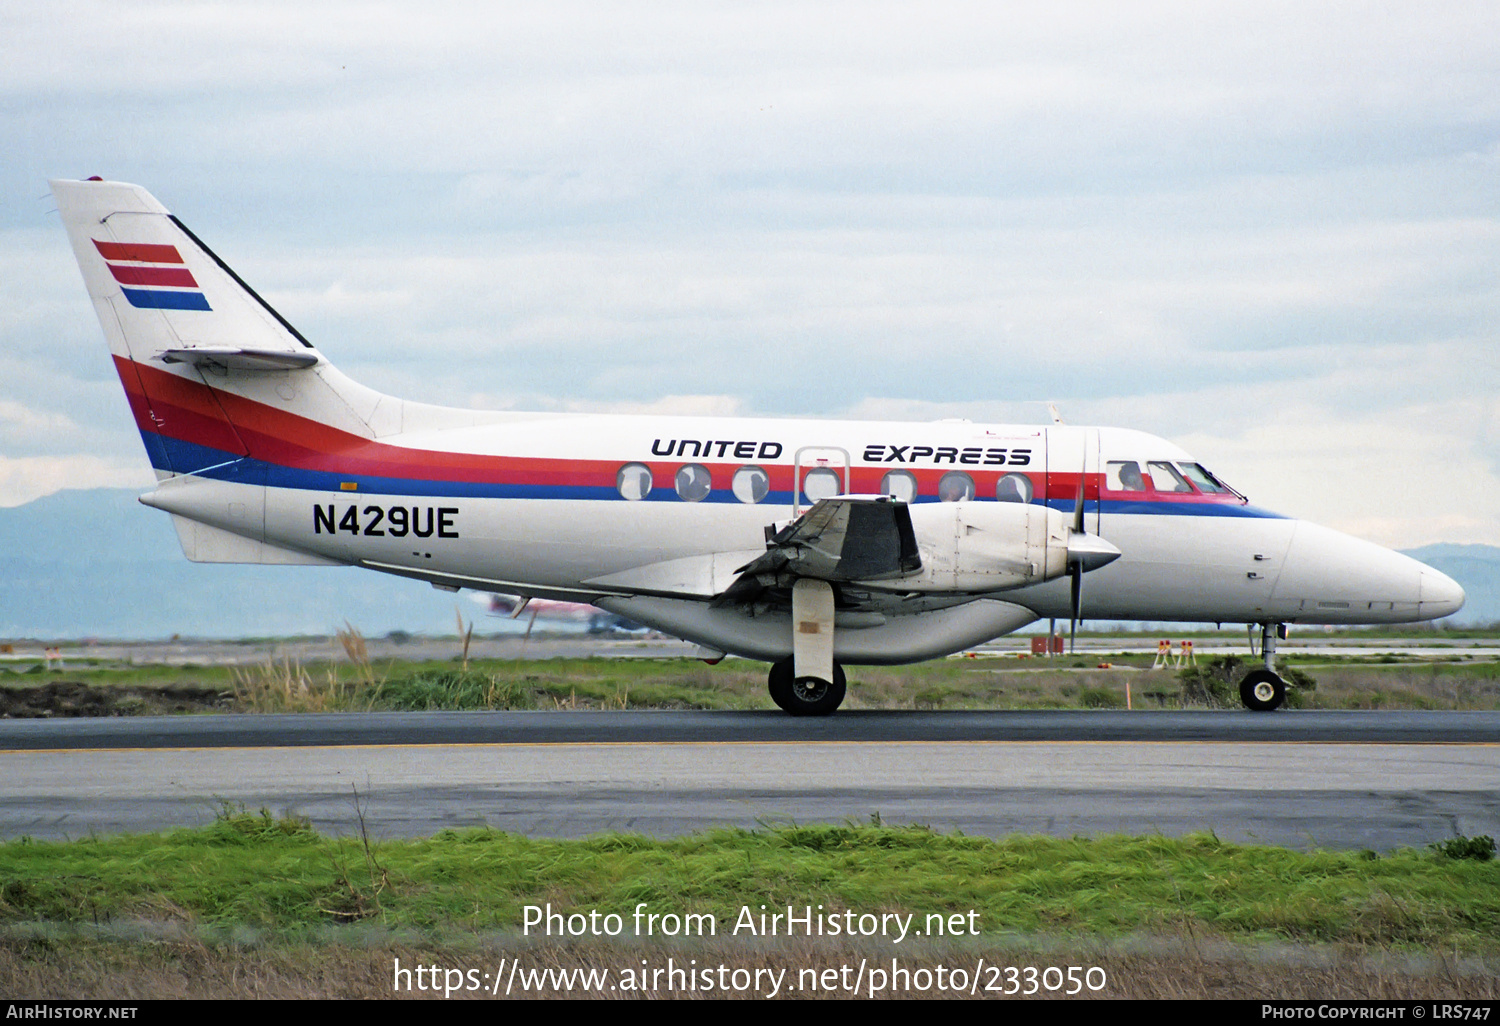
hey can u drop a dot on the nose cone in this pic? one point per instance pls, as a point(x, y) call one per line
point(1329, 577)
point(1441, 594)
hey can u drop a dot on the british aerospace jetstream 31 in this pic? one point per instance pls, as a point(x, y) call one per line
point(805, 543)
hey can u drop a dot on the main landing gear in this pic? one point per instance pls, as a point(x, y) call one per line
point(810, 683)
point(806, 696)
point(1263, 690)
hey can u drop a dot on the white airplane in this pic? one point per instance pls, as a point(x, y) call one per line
point(809, 544)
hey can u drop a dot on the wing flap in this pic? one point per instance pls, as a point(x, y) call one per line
point(841, 539)
point(845, 538)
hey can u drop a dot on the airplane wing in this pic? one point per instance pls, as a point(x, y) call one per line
point(845, 538)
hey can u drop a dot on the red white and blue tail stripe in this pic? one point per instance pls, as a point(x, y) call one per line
point(152, 277)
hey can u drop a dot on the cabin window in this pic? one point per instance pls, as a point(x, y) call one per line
point(751, 484)
point(693, 482)
point(634, 481)
point(900, 483)
point(1014, 488)
point(955, 486)
point(821, 483)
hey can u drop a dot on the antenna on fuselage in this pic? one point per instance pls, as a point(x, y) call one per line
point(1056, 417)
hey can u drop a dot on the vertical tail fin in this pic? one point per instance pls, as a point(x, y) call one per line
point(154, 283)
point(222, 388)
point(205, 361)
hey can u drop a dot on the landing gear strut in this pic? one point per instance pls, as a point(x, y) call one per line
point(1263, 690)
point(806, 696)
point(810, 683)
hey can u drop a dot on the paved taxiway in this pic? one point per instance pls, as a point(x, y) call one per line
point(1301, 779)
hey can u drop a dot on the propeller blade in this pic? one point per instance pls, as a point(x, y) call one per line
point(1085, 552)
point(1075, 573)
point(1075, 567)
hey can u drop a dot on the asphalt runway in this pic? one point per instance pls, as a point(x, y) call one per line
point(1299, 779)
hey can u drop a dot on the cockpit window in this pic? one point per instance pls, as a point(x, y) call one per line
point(1124, 476)
point(1205, 481)
point(1163, 481)
point(1165, 478)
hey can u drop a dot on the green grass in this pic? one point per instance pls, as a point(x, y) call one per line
point(1458, 681)
point(280, 876)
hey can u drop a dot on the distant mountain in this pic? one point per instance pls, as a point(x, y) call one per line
point(96, 563)
point(1477, 569)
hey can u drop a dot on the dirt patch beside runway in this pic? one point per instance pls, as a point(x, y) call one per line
point(66, 698)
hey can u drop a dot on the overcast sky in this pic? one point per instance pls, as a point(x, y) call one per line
point(1269, 232)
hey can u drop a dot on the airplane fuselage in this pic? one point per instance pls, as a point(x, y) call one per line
point(652, 516)
point(807, 543)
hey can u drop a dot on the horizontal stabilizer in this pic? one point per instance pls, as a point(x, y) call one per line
point(239, 358)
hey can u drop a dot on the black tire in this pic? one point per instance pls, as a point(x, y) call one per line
point(806, 696)
point(780, 684)
point(1262, 691)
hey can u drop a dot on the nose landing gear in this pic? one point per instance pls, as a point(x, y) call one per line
point(1263, 690)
